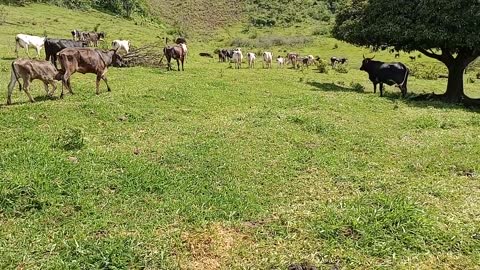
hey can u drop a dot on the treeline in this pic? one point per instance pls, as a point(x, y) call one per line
point(287, 12)
point(124, 8)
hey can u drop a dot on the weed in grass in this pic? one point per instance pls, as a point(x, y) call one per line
point(70, 139)
point(357, 87)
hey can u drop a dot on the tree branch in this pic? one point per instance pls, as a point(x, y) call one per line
point(431, 54)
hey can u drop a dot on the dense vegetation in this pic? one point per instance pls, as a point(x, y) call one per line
point(286, 12)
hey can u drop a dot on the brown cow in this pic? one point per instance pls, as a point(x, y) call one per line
point(176, 52)
point(87, 60)
point(92, 38)
point(30, 70)
point(292, 58)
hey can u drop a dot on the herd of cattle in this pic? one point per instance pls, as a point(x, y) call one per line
point(75, 55)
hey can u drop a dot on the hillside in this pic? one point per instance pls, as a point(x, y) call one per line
point(216, 168)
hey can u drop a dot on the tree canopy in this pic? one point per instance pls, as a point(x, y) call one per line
point(446, 30)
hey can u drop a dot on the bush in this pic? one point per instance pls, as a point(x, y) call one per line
point(425, 71)
point(478, 75)
point(470, 80)
point(70, 139)
point(271, 41)
point(341, 68)
point(321, 31)
point(335, 46)
point(357, 87)
point(322, 66)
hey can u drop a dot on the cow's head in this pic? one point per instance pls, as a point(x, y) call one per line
point(117, 60)
point(366, 63)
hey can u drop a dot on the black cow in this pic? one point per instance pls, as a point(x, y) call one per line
point(388, 73)
point(54, 46)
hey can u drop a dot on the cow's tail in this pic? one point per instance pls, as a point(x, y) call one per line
point(16, 76)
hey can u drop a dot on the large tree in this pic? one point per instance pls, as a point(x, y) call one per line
point(446, 30)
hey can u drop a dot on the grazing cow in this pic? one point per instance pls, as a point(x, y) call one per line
point(280, 61)
point(251, 59)
point(30, 70)
point(413, 58)
point(267, 59)
point(222, 55)
point(54, 46)
point(237, 58)
point(204, 54)
point(121, 45)
point(183, 42)
point(92, 38)
point(338, 60)
point(292, 58)
point(176, 52)
point(229, 54)
point(87, 60)
point(388, 73)
point(77, 35)
point(22, 40)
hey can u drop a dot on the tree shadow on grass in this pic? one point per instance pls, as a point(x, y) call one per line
point(8, 58)
point(331, 87)
point(431, 100)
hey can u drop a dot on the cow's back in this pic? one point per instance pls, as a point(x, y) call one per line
point(389, 72)
point(36, 69)
point(82, 60)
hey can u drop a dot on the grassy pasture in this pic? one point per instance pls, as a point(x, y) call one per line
point(215, 168)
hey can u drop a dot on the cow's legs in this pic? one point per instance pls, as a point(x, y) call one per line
point(38, 52)
point(45, 84)
point(178, 64)
point(106, 82)
point(182, 64)
point(382, 88)
point(54, 88)
point(374, 88)
point(26, 49)
point(66, 82)
point(26, 88)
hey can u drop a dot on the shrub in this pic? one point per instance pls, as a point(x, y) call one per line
point(70, 139)
point(271, 41)
point(322, 66)
point(321, 31)
point(470, 80)
point(478, 75)
point(341, 68)
point(425, 71)
point(335, 46)
point(357, 87)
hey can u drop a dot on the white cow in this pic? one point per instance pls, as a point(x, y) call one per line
point(22, 40)
point(267, 59)
point(237, 58)
point(251, 60)
point(121, 45)
point(280, 61)
point(311, 59)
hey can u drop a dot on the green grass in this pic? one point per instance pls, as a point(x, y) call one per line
point(216, 168)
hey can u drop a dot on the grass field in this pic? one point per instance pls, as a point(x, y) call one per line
point(216, 168)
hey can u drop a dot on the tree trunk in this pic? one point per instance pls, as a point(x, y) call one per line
point(454, 92)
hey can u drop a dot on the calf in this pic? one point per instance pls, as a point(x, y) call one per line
point(92, 38)
point(388, 73)
point(174, 52)
point(237, 58)
point(292, 58)
point(280, 61)
point(336, 60)
point(251, 60)
point(121, 45)
point(23, 41)
point(30, 70)
point(222, 55)
point(183, 43)
point(267, 59)
point(54, 46)
point(87, 60)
